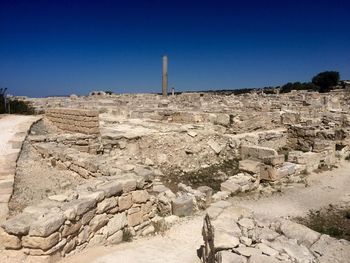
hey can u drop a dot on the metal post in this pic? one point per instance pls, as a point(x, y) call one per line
point(165, 76)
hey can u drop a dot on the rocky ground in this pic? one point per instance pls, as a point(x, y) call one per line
point(36, 180)
point(180, 243)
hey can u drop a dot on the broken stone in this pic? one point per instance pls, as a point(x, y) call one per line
point(182, 206)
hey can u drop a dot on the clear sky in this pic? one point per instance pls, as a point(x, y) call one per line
point(63, 47)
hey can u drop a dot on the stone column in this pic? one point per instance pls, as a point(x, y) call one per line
point(165, 76)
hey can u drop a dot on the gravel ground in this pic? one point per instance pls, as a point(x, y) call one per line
point(36, 180)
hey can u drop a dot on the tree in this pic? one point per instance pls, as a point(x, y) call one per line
point(325, 80)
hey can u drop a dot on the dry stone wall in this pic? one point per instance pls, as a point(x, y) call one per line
point(103, 211)
point(74, 120)
point(234, 234)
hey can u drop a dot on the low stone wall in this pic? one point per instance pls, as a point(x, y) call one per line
point(235, 234)
point(103, 211)
point(74, 120)
point(89, 143)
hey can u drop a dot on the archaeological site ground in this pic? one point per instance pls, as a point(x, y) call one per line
point(191, 177)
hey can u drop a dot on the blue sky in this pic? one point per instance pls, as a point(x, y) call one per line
point(64, 47)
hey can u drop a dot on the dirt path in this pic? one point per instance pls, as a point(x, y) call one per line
point(13, 130)
point(180, 243)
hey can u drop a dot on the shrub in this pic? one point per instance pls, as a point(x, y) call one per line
point(326, 80)
point(21, 107)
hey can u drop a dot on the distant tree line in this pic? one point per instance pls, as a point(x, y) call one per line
point(322, 82)
point(13, 105)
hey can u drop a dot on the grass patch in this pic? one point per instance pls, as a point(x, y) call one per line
point(332, 221)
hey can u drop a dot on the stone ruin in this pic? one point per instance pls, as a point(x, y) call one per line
point(126, 147)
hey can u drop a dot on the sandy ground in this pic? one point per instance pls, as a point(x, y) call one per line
point(8, 127)
point(36, 180)
point(180, 243)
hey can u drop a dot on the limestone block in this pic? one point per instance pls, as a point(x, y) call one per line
point(43, 243)
point(71, 228)
point(224, 240)
point(140, 196)
point(223, 119)
point(250, 166)
point(270, 173)
point(135, 218)
point(182, 206)
point(97, 222)
point(107, 204)
point(256, 152)
point(129, 185)
point(69, 246)
point(83, 235)
point(80, 206)
point(86, 218)
point(146, 208)
point(303, 234)
point(231, 187)
point(116, 238)
point(274, 160)
point(9, 241)
point(47, 224)
point(116, 223)
point(19, 225)
point(124, 202)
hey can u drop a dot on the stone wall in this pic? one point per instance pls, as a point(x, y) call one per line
point(74, 120)
point(100, 212)
point(235, 234)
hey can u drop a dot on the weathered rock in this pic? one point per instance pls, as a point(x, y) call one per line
point(328, 249)
point(225, 240)
point(302, 234)
point(135, 218)
point(19, 225)
point(47, 224)
point(140, 196)
point(9, 241)
point(111, 188)
point(256, 152)
point(182, 206)
point(230, 187)
point(116, 223)
point(43, 243)
point(267, 250)
point(124, 202)
point(116, 238)
point(106, 204)
point(250, 166)
point(71, 228)
point(97, 222)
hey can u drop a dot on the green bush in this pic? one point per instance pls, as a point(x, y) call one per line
point(326, 80)
point(21, 107)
